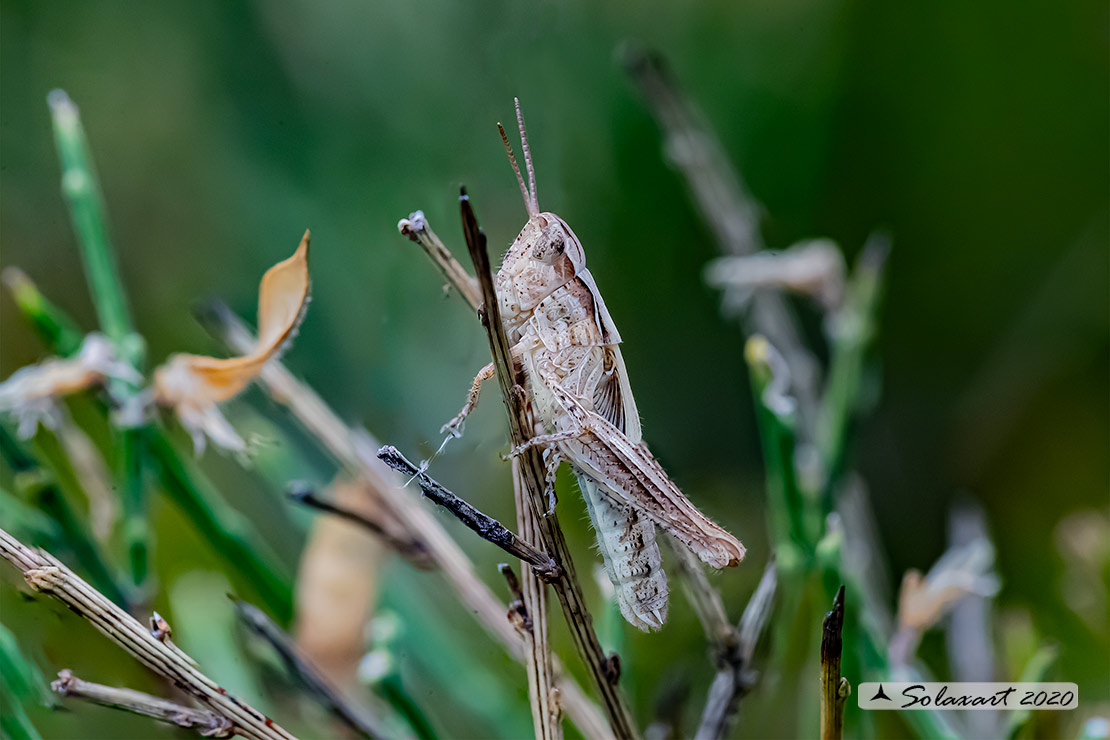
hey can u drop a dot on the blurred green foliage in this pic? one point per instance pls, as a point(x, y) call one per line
point(974, 133)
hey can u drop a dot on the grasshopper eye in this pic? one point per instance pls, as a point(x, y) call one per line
point(549, 249)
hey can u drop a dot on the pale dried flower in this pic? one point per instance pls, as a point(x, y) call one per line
point(815, 268)
point(31, 393)
point(193, 385)
point(962, 570)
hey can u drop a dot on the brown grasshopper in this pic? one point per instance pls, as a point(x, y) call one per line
point(569, 347)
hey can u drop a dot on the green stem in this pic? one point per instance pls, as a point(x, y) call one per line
point(21, 683)
point(86, 209)
point(56, 329)
point(42, 487)
point(136, 534)
point(228, 531)
point(786, 506)
point(394, 692)
point(855, 329)
point(81, 189)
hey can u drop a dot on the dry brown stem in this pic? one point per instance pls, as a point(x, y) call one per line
point(533, 476)
point(45, 573)
point(415, 551)
point(355, 717)
point(208, 724)
point(734, 674)
point(416, 228)
point(538, 660)
point(834, 687)
point(540, 664)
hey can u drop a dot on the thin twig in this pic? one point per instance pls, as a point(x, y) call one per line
point(542, 693)
point(416, 228)
point(414, 550)
point(834, 687)
point(729, 210)
point(208, 724)
point(601, 668)
point(481, 524)
point(355, 450)
point(355, 717)
point(46, 573)
point(735, 677)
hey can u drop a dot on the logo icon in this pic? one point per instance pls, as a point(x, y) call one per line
point(880, 694)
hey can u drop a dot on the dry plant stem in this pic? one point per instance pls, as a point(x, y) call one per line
point(544, 697)
point(539, 662)
point(729, 210)
point(357, 718)
point(834, 687)
point(533, 475)
point(416, 228)
point(481, 524)
point(415, 551)
point(735, 677)
point(45, 573)
point(705, 600)
point(208, 724)
point(355, 451)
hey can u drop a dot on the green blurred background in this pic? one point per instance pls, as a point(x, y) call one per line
point(974, 133)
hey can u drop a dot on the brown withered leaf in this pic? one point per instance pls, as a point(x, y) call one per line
point(337, 586)
point(194, 384)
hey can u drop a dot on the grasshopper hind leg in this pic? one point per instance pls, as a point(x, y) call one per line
point(626, 539)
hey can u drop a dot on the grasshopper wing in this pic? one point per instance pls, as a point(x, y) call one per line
point(629, 473)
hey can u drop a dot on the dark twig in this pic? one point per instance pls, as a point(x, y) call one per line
point(533, 475)
point(414, 550)
point(355, 717)
point(834, 687)
point(735, 677)
point(481, 524)
point(208, 724)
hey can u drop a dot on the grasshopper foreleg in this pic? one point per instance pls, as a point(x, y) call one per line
point(455, 426)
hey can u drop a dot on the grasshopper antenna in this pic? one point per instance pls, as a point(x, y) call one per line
point(528, 192)
point(534, 207)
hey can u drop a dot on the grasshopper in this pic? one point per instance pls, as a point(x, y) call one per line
point(564, 338)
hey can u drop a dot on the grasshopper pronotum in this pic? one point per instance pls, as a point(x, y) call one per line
point(569, 348)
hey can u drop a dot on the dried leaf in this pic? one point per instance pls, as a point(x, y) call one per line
point(337, 586)
point(194, 384)
point(31, 392)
